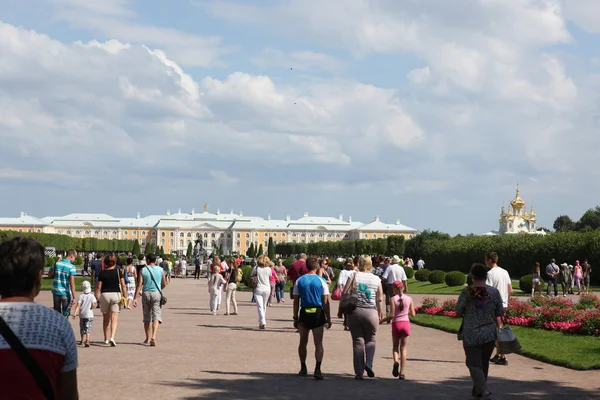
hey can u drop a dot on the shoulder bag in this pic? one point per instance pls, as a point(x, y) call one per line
point(507, 341)
point(27, 359)
point(253, 281)
point(123, 298)
point(163, 299)
point(349, 300)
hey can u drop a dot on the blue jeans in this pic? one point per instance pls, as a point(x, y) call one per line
point(61, 303)
point(552, 281)
point(280, 291)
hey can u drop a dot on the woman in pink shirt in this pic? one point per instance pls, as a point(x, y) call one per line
point(272, 281)
point(578, 276)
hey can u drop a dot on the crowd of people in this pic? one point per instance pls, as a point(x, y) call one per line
point(373, 291)
point(565, 275)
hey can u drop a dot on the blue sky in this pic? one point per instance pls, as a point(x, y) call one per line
point(427, 112)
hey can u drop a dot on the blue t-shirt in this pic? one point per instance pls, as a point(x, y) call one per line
point(311, 288)
point(63, 270)
point(157, 273)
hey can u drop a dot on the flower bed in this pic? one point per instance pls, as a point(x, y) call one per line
point(554, 314)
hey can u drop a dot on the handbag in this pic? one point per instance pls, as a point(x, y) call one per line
point(123, 298)
point(507, 341)
point(349, 299)
point(336, 294)
point(253, 281)
point(163, 299)
point(38, 374)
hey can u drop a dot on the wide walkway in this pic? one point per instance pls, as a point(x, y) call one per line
point(199, 355)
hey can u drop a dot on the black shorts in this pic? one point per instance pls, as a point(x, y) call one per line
point(312, 318)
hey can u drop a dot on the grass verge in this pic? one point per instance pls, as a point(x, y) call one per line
point(47, 283)
point(570, 351)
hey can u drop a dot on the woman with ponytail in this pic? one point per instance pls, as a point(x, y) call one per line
point(401, 306)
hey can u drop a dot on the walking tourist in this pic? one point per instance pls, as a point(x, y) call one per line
point(141, 264)
point(63, 284)
point(536, 281)
point(564, 277)
point(552, 271)
point(587, 275)
point(110, 291)
point(296, 270)
point(233, 277)
point(86, 266)
point(183, 267)
point(345, 275)
point(420, 263)
point(272, 282)
point(364, 320)
point(217, 263)
point(400, 307)
point(394, 273)
point(131, 274)
point(281, 272)
point(24, 323)
point(578, 275)
point(165, 267)
point(148, 283)
point(197, 265)
point(481, 307)
point(499, 279)
point(85, 310)
point(311, 313)
point(215, 283)
point(322, 271)
point(263, 289)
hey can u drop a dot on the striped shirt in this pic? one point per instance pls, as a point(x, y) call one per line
point(63, 270)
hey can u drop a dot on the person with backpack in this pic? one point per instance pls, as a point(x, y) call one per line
point(234, 277)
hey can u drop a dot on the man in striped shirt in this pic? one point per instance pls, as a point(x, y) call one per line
point(63, 286)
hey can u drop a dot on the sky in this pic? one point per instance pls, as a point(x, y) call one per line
point(430, 112)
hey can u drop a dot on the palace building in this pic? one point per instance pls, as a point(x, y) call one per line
point(517, 219)
point(232, 232)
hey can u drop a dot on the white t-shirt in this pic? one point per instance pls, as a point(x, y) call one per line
point(420, 264)
point(264, 277)
point(85, 301)
point(182, 264)
point(224, 266)
point(498, 277)
point(367, 287)
point(394, 273)
point(344, 276)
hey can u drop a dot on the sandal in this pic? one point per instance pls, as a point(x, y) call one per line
point(87, 343)
point(402, 377)
point(152, 343)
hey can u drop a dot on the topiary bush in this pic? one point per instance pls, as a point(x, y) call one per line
point(79, 260)
point(455, 278)
point(410, 273)
point(422, 275)
point(246, 271)
point(526, 283)
point(437, 276)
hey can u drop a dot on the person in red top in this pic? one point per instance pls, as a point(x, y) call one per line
point(46, 335)
point(238, 261)
point(296, 270)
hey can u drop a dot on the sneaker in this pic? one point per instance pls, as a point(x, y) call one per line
point(370, 372)
point(234, 313)
point(318, 375)
point(495, 359)
point(395, 370)
point(112, 343)
point(106, 342)
point(303, 371)
point(502, 361)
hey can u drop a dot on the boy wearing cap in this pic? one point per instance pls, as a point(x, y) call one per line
point(85, 309)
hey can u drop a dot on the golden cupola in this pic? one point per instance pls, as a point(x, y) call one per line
point(517, 203)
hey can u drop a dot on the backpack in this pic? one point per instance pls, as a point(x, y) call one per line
point(239, 275)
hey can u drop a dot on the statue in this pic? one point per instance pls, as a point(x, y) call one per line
point(199, 250)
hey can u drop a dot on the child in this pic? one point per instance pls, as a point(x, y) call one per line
point(400, 307)
point(536, 282)
point(214, 288)
point(85, 309)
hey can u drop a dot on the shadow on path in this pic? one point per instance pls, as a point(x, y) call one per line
point(245, 328)
point(259, 386)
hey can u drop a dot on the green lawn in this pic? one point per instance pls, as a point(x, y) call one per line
point(571, 351)
point(47, 283)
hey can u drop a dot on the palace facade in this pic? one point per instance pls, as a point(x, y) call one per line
point(233, 232)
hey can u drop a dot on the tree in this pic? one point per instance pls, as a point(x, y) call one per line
point(260, 250)
point(136, 248)
point(563, 224)
point(149, 248)
point(251, 252)
point(395, 245)
point(190, 251)
point(591, 219)
point(271, 249)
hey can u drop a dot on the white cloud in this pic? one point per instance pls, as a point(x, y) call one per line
point(223, 177)
point(297, 61)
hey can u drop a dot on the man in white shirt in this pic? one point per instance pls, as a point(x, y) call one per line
point(420, 264)
point(498, 278)
point(395, 273)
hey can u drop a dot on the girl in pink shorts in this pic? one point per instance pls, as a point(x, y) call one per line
point(401, 306)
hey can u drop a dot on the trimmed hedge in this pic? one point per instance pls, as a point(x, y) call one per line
point(455, 278)
point(392, 245)
point(410, 273)
point(437, 276)
point(64, 242)
point(517, 253)
point(246, 271)
point(422, 275)
point(526, 283)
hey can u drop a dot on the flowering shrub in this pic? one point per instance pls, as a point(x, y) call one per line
point(449, 305)
point(588, 302)
point(556, 314)
point(430, 302)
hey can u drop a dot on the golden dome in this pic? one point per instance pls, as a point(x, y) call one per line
point(517, 203)
point(205, 207)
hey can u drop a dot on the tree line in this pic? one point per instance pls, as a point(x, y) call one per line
point(589, 221)
point(392, 245)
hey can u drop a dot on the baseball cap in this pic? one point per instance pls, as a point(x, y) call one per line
point(397, 284)
point(86, 287)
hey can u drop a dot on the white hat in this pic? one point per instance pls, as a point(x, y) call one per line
point(87, 288)
point(396, 259)
point(564, 265)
